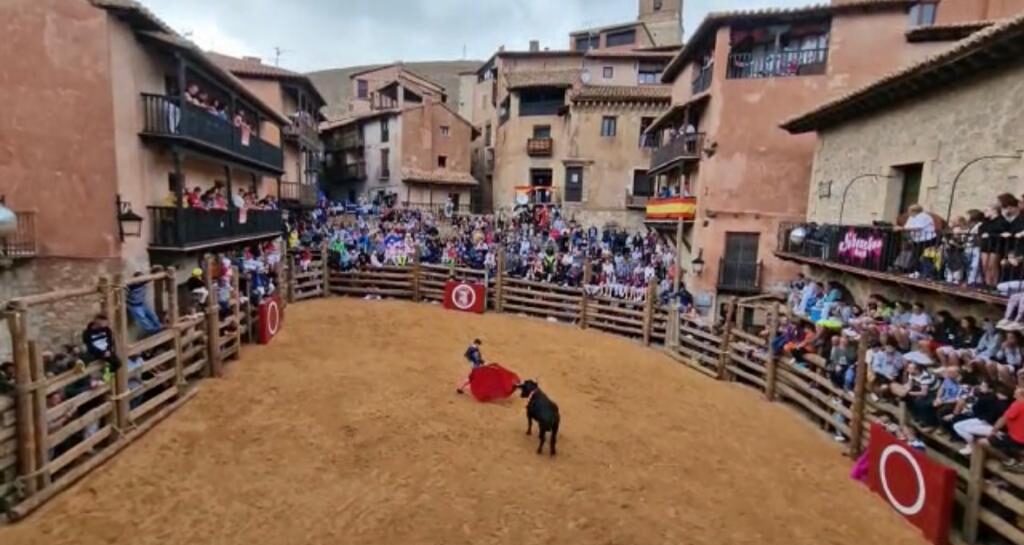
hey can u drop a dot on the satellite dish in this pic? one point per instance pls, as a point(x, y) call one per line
point(585, 76)
point(8, 221)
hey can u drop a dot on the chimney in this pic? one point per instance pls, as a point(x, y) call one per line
point(501, 48)
point(256, 60)
point(534, 46)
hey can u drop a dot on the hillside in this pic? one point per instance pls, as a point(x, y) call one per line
point(336, 87)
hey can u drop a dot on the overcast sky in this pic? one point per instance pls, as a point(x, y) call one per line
point(319, 34)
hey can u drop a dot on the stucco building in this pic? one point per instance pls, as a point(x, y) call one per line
point(946, 133)
point(401, 141)
point(739, 76)
point(98, 143)
point(567, 126)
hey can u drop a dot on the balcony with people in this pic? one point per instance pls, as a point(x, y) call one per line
point(671, 201)
point(783, 50)
point(214, 216)
point(979, 256)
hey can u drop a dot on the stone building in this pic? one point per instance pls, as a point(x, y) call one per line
point(739, 76)
point(402, 142)
point(112, 145)
point(946, 133)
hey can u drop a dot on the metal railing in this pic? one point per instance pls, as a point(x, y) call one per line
point(21, 244)
point(685, 146)
point(540, 147)
point(989, 263)
point(181, 228)
point(167, 116)
point(739, 276)
point(809, 62)
point(702, 79)
point(304, 194)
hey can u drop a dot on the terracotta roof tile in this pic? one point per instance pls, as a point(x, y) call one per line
point(716, 19)
point(998, 43)
point(617, 93)
point(541, 78)
point(438, 177)
point(255, 68)
point(948, 32)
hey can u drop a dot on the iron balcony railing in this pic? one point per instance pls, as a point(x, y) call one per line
point(808, 62)
point(167, 116)
point(702, 79)
point(22, 243)
point(948, 259)
point(739, 276)
point(302, 194)
point(188, 227)
point(540, 147)
point(683, 146)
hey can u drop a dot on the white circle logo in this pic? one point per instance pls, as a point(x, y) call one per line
point(464, 296)
point(905, 510)
point(273, 317)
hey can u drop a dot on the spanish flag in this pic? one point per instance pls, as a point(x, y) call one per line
point(672, 208)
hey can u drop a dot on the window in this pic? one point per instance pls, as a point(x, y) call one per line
point(647, 140)
point(442, 161)
point(657, 5)
point(362, 88)
point(385, 162)
point(542, 131)
point(649, 74)
point(385, 133)
point(541, 101)
point(445, 130)
point(608, 125)
point(624, 37)
point(586, 43)
point(923, 13)
point(910, 192)
point(487, 135)
point(643, 185)
point(739, 270)
point(609, 72)
point(573, 184)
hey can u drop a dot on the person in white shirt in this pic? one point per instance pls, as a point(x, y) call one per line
point(920, 224)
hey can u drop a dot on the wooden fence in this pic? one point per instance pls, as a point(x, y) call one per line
point(990, 500)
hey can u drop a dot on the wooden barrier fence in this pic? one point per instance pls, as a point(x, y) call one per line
point(991, 500)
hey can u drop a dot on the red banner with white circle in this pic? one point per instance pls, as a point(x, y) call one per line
point(271, 318)
point(917, 487)
point(465, 296)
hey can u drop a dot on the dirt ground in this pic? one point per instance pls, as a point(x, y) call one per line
point(347, 430)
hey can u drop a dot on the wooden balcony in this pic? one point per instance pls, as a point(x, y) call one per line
point(166, 117)
point(671, 209)
point(540, 147)
point(296, 194)
point(22, 243)
point(188, 229)
point(685, 147)
point(304, 130)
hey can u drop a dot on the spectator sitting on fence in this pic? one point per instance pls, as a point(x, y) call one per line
point(1007, 437)
point(99, 342)
point(886, 367)
point(139, 310)
point(198, 291)
point(1005, 365)
point(976, 413)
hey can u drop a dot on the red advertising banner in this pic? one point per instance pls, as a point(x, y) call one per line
point(916, 486)
point(465, 296)
point(271, 318)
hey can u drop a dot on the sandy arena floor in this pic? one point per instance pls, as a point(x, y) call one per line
point(347, 430)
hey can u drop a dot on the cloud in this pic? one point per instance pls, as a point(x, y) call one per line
point(318, 34)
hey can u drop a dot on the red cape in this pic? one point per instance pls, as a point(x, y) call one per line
point(492, 381)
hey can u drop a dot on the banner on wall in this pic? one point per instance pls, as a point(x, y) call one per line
point(863, 247)
point(916, 486)
point(465, 296)
point(271, 318)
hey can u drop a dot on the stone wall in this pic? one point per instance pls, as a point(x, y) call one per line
point(942, 131)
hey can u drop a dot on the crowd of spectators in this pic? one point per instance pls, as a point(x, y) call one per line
point(958, 376)
point(540, 244)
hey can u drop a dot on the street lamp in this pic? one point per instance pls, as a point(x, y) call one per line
point(698, 264)
point(128, 222)
point(846, 191)
point(952, 191)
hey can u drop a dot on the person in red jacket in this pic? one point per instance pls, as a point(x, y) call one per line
point(1008, 434)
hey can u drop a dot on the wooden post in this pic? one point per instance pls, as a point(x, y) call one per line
point(159, 295)
point(289, 277)
point(677, 281)
point(859, 398)
point(214, 368)
point(499, 280)
point(723, 358)
point(975, 491)
point(587, 274)
point(42, 423)
point(325, 262)
point(24, 407)
point(771, 360)
point(115, 307)
point(416, 275)
point(652, 294)
point(238, 311)
point(171, 285)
